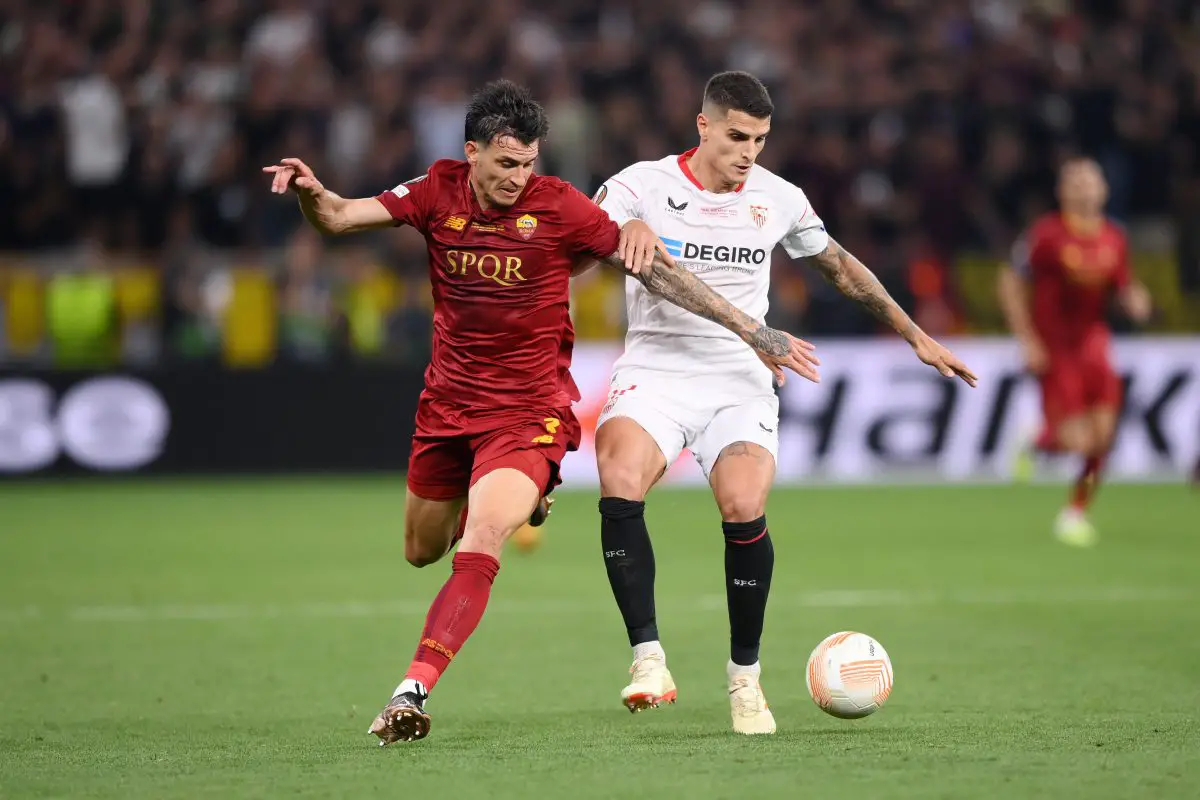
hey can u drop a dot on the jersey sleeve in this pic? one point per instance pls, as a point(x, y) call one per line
point(1019, 257)
point(807, 235)
point(1033, 252)
point(592, 232)
point(409, 202)
point(621, 197)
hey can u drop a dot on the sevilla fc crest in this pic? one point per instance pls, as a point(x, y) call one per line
point(526, 225)
point(759, 215)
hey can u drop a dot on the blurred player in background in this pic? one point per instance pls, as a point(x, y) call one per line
point(686, 383)
point(1056, 297)
point(494, 420)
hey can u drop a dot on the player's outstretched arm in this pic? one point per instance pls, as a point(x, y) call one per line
point(664, 278)
point(326, 211)
point(1013, 293)
point(853, 279)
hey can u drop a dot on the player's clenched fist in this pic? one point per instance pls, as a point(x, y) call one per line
point(292, 173)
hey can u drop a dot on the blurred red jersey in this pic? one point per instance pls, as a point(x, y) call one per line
point(1074, 274)
point(502, 332)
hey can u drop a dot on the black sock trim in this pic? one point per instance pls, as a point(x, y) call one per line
point(743, 532)
point(620, 508)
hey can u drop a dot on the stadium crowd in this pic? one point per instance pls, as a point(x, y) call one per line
point(920, 129)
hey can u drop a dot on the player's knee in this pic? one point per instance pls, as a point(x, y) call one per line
point(741, 509)
point(484, 537)
point(620, 478)
point(421, 554)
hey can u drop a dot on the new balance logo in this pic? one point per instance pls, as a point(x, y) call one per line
point(678, 209)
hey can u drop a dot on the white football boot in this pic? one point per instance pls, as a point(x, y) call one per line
point(747, 703)
point(1072, 527)
point(651, 685)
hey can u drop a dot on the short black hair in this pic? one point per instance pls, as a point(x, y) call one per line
point(503, 108)
point(738, 91)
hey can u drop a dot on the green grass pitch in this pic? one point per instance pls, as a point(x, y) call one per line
point(234, 638)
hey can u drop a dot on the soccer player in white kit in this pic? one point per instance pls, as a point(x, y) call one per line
point(685, 382)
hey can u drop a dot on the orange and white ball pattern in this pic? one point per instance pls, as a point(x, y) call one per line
point(849, 675)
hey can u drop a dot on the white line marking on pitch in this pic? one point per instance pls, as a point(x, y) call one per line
point(851, 598)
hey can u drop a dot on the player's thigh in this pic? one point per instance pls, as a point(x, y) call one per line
point(1065, 406)
point(429, 527)
point(500, 502)
point(515, 464)
point(439, 476)
point(636, 440)
point(737, 452)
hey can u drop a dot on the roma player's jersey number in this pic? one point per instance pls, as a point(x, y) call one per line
point(552, 425)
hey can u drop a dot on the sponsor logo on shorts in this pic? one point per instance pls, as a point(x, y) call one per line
point(613, 396)
point(552, 425)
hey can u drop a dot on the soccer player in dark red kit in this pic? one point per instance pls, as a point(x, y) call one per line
point(1065, 273)
point(494, 420)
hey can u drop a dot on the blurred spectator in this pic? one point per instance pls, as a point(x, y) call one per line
point(920, 129)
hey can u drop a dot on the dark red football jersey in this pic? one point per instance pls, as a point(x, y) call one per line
point(1074, 274)
point(502, 332)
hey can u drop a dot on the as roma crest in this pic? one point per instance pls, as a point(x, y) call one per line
point(759, 215)
point(526, 225)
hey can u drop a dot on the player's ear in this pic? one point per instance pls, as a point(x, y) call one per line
point(472, 151)
point(702, 126)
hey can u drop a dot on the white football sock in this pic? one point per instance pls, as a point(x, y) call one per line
point(645, 649)
point(733, 670)
point(408, 685)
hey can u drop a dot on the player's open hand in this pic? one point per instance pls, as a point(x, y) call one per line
point(637, 246)
point(1135, 300)
point(940, 358)
point(781, 351)
point(292, 173)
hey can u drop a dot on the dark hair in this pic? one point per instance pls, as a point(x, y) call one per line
point(739, 91)
point(502, 108)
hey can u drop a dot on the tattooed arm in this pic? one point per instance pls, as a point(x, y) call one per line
point(662, 277)
point(853, 279)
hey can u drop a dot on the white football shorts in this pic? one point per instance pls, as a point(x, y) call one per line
point(695, 413)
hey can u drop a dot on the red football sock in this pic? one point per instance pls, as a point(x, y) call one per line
point(453, 616)
point(1085, 485)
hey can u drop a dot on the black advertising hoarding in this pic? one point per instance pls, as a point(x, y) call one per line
point(198, 420)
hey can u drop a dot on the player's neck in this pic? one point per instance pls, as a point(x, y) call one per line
point(480, 197)
point(706, 174)
point(1083, 223)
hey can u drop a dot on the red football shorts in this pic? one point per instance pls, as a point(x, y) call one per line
point(454, 446)
point(1073, 385)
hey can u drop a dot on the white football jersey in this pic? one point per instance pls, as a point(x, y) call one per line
point(726, 240)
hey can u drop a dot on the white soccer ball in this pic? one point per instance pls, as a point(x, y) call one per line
point(849, 675)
